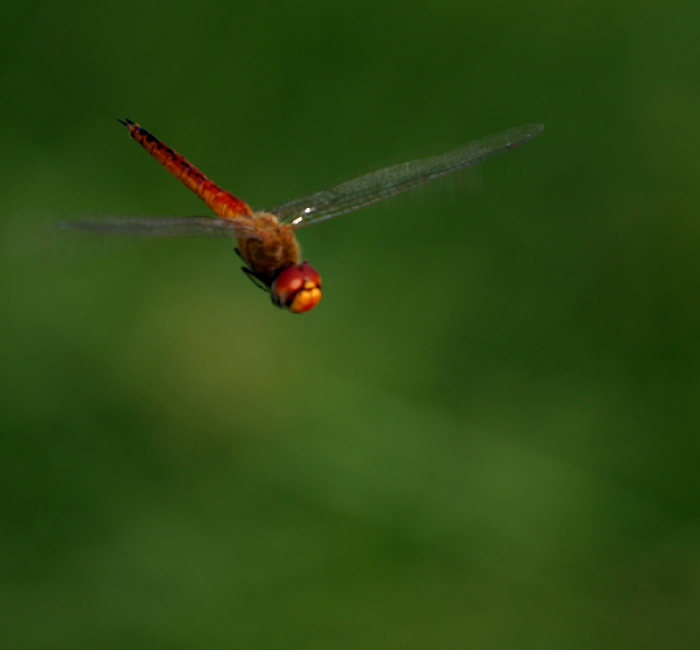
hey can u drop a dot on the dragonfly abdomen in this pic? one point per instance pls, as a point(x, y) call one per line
point(225, 204)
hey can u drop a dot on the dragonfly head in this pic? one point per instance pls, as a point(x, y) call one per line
point(297, 288)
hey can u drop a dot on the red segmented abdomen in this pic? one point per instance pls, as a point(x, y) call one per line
point(222, 202)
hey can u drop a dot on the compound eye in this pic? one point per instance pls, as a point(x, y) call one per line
point(297, 288)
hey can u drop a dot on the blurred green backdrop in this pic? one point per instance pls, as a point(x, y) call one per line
point(485, 436)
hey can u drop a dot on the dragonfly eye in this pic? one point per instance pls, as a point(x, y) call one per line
point(297, 288)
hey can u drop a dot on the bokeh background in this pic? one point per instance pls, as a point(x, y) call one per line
point(486, 435)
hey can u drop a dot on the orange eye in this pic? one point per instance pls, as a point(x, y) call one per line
point(297, 288)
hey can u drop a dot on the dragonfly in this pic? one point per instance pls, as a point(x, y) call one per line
point(267, 242)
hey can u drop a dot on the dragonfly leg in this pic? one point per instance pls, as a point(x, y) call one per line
point(254, 278)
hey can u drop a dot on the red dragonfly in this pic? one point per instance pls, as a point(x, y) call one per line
point(266, 241)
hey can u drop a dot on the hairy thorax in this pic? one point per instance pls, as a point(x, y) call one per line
point(277, 248)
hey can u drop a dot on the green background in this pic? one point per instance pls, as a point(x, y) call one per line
point(485, 436)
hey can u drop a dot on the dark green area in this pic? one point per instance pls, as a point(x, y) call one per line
point(487, 434)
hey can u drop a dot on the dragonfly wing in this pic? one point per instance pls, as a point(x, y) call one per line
point(167, 226)
point(384, 183)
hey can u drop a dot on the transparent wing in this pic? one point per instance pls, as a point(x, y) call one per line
point(381, 184)
point(166, 226)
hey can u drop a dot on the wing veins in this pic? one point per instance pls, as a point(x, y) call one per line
point(165, 226)
point(378, 185)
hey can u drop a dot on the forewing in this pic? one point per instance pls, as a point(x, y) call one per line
point(166, 226)
point(384, 183)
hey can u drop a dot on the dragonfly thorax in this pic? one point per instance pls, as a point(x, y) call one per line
point(274, 248)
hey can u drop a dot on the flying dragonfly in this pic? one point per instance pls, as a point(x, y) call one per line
point(266, 238)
